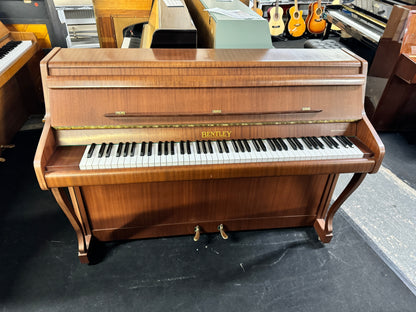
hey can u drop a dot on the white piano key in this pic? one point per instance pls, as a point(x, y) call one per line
point(178, 159)
point(10, 58)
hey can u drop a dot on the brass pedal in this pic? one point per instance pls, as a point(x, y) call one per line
point(222, 232)
point(197, 233)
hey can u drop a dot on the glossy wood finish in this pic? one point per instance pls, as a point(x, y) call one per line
point(106, 11)
point(393, 42)
point(396, 110)
point(117, 95)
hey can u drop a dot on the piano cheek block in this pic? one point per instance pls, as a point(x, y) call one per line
point(256, 164)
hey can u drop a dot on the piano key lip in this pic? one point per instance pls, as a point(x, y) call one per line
point(72, 176)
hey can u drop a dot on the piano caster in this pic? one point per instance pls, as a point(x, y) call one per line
point(197, 233)
point(2, 147)
point(221, 229)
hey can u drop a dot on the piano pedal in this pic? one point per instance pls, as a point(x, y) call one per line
point(2, 147)
point(222, 232)
point(197, 233)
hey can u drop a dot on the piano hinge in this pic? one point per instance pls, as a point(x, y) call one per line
point(231, 124)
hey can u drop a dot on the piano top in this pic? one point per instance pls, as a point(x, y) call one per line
point(202, 57)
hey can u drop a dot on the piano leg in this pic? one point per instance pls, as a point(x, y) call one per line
point(72, 212)
point(323, 225)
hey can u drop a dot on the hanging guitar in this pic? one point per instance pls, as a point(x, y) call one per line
point(276, 25)
point(256, 9)
point(296, 24)
point(314, 21)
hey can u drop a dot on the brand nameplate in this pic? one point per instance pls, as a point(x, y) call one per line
point(215, 134)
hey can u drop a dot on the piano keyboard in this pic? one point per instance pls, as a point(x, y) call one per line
point(12, 51)
point(184, 153)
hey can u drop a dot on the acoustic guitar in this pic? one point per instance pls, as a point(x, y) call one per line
point(296, 24)
point(276, 25)
point(256, 9)
point(314, 21)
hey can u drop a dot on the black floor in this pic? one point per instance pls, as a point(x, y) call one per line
point(276, 270)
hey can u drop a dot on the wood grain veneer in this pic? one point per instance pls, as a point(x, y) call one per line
point(109, 95)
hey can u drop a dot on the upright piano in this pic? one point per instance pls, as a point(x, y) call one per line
point(160, 142)
point(19, 80)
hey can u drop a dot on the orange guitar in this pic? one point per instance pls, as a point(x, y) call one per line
point(256, 9)
point(314, 21)
point(276, 25)
point(296, 24)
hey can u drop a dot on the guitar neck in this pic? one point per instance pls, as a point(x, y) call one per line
point(296, 5)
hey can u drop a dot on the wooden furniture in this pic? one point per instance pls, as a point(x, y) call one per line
point(393, 41)
point(169, 27)
point(396, 110)
point(20, 85)
point(220, 31)
point(173, 95)
point(393, 108)
point(113, 16)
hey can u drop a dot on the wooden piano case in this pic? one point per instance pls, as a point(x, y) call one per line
point(157, 95)
point(20, 86)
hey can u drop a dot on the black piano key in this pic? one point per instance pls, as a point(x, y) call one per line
point(350, 144)
point(297, 142)
point(133, 148)
point(210, 149)
point(341, 141)
point(312, 141)
point(277, 144)
point(126, 149)
point(204, 147)
point(166, 148)
point(219, 146)
point(188, 147)
point(149, 148)
point(226, 149)
point(282, 143)
point(292, 144)
point(109, 148)
point(240, 146)
point(172, 147)
point(91, 150)
point(271, 144)
point(159, 148)
point(101, 151)
point(256, 145)
point(262, 146)
point(334, 143)
point(307, 143)
point(143, 149)
point(182, 147)
point(248, 148)
point(198, 147)
point(321, 146)
point(234, 145)
point(327, 142)
point(119, 149)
